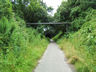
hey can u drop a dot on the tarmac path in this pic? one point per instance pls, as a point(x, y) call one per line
point(53, 60)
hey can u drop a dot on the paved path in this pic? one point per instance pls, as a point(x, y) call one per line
point(53, 61)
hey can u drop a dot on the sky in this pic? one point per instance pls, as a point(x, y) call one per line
point(53, 3)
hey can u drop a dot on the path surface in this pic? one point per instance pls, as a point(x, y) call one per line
point(53, 61)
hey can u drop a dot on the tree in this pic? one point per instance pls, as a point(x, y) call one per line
point(5, 9)
point(30, 10)
point(50, 9)
point(74, 11)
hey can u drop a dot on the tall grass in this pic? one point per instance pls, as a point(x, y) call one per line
point(20, 47)
point(80, 47)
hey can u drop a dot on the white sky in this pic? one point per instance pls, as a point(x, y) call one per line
point(53, 3)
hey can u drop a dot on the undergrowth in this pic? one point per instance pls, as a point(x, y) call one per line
point(80, 47)
point(20, 47)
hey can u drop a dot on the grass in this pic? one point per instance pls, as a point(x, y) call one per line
point(80, 47)
point(20, 47)
point(72, 55)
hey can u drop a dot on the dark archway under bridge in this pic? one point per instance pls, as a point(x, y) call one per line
point(50, 29)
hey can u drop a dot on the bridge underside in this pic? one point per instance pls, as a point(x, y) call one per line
point(50, 29)
point(50, 23)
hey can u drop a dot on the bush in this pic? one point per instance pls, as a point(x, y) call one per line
point(5, 9)
point(20, 47)
point(82, 45)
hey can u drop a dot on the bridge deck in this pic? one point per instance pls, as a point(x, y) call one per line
point(59, 23)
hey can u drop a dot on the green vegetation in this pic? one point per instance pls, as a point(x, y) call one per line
point(55, 38)
point(20, 47)
point(79, 42)
point(74, 11)
point(31, 10)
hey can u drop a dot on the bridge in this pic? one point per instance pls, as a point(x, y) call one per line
point(53, 24)
point(49, 23)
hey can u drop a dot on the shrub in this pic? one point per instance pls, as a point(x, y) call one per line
point(5, 9)
point(20, 47)
point(82, 45)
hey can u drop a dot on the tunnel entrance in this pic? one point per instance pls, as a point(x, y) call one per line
point(50, 29)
